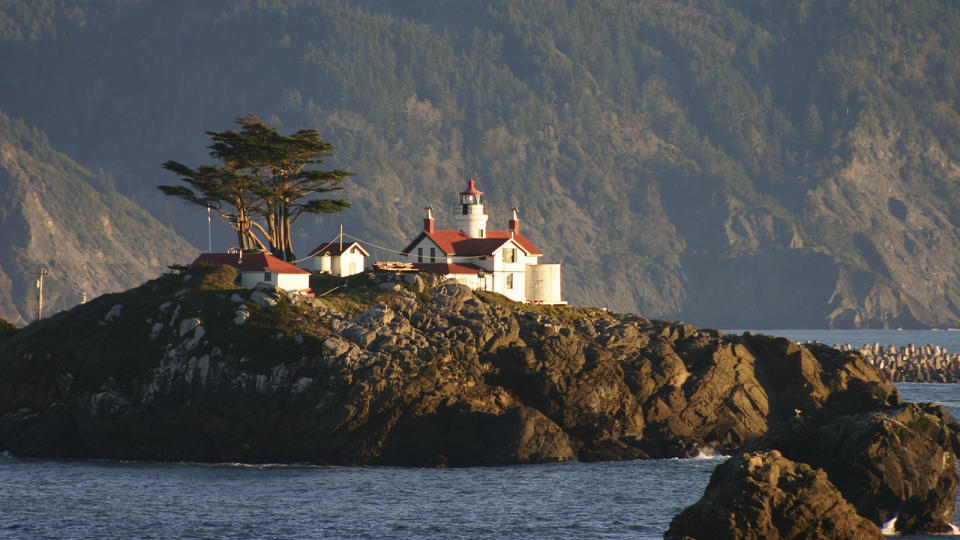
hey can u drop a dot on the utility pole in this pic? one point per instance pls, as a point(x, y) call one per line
point(209, 233)
point(40, 276)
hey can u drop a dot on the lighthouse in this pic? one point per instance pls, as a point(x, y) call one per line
point(470, 216)
point(500, 261)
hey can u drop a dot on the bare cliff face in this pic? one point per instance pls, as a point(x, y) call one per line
point(186, 367)
point(58, 216)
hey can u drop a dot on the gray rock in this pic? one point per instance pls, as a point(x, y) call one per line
point(242, 315)
point(155, 331)
point(335, 346)
point(764, 495)
point(187, 325)
point(264, 298)
point(115, 313)
point(415, 281)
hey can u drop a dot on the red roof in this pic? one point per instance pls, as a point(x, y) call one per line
point(250, 262)
point(334, 248)
point(456, 242)
point(444, 268)
point(472, 189)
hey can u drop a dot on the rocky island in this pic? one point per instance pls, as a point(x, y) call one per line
point(399, 370)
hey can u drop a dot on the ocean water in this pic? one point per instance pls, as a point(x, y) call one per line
point(110, 499)
point(898, 338)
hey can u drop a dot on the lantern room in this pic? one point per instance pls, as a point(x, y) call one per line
point(471, 196)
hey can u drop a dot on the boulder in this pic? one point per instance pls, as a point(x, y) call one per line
point(764, 495)
point(899, 464)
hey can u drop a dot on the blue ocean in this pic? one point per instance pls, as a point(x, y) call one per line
point(110, 499)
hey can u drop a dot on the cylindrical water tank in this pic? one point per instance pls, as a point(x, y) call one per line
point(543, 283)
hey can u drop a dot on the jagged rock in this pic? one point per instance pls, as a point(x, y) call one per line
point(241, 315)
point(114, 313)
point(265, 294)
point(415, 281)
point(901, 464)
point(155, 331)
point(764, 495)
point(188, 325)
point(376, 316)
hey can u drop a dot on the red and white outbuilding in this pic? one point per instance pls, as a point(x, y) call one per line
point(339, 258)
point(254, 268)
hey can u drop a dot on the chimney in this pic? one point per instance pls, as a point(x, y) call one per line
point(514, 223)
point(428, 221)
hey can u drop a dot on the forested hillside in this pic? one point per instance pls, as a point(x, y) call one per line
point(731, 163)
point(55, 215)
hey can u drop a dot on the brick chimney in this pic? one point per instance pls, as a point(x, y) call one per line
point(514, 223)
point(428, 221)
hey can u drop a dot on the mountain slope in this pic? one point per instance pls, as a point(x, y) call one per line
point(731, 163)
point(57, 215)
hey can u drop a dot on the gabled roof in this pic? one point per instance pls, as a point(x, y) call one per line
point(458, 243)
point(444, 268)
point(335, 248)
point(250, 262)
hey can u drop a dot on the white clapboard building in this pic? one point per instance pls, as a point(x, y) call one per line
point(256, 267)
point(501, 261)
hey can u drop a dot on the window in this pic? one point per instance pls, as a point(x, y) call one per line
point(481, 233)
point(433, 254)
point(464, 209)
point(419, 254)
point(267, 276)
point(509, 284)
point(510, 255)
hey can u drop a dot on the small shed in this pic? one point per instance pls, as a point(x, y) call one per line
point(256, 267)
point(339, 258)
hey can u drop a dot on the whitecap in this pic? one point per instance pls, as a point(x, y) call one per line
point(889, 527)
point(708, 452)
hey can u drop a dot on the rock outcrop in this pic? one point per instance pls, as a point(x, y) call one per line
point(764, 495)
point(188, 367)
point(824, 476)
point(899, 465)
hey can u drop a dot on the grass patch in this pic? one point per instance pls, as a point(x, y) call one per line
point(350, 295)
point(565, 313)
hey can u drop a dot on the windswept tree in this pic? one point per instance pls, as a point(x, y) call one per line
point(265, 183)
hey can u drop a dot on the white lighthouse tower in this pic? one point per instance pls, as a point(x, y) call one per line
point(470, 217)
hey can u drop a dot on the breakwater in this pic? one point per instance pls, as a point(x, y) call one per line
point(911, 363)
